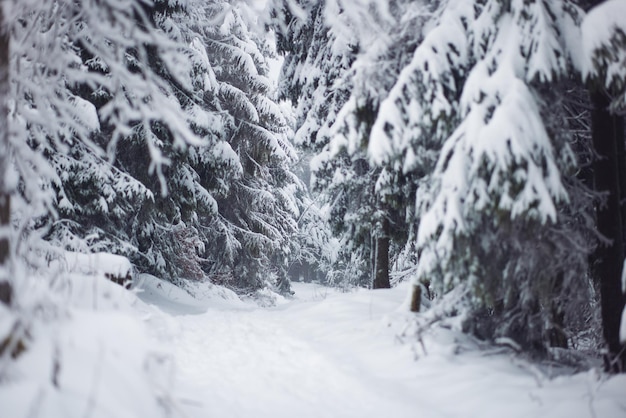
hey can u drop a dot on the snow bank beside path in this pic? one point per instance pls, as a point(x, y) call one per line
point(177, 301)
point(89, 353)
point(114, 267)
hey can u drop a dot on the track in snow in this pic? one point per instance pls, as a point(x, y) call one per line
point(337, 355)
point(287, 362)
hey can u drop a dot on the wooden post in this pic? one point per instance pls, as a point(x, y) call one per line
point(416, 298)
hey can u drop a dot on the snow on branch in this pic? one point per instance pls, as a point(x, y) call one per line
point(603, 34)
point(423, 98)
point(500, 160)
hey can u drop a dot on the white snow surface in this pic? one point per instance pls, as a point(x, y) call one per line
point(93, 264)
point(322, 354)
point(598, 28)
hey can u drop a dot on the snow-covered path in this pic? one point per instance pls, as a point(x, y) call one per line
point(242, 364)
point(324, 354)
point(338, 355)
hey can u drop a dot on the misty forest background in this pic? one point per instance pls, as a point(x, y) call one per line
point(472, 147)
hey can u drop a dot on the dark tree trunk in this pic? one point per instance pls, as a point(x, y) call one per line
point(372, 256)
point(608, 140)
point(620, 149)
point(381, 278)
point(5, 196)
point(6, 292)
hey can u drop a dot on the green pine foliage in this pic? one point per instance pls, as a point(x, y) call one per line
point(162, 141)
point(495, 179)
point(451, 124)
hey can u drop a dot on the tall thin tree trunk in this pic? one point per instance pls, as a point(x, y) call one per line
point(620, 150)
point(608, 139)
point(372, 255)
point(381, 277)
point(5, 196)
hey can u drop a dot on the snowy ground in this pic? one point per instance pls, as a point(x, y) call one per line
point(328, 354)
point(322, 354)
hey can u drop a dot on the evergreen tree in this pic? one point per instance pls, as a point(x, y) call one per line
point(82, 82)
point(493, 222)
point(464, 119)
point(386, 220)
point(313, 249)
point(314, 77)
point(316, 60)
point(160, 141)
point(259, 210)
point(120, 202)
point(329, 76)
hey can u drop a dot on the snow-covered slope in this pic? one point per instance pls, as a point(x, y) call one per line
point(90, 352)
point(322, 354)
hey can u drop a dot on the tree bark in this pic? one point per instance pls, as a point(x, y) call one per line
point(608, 139)
point(381, 278)
point(5, 196)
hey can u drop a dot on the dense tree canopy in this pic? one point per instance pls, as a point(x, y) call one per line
point(465, 125)
point(154, 135)
point(475, 148)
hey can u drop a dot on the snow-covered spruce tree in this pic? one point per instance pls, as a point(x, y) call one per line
point(169, 223)
point(317, 58)
point(489, 207)
point(387, 218)
point(259, 209)
point(82, 83)
point(573, 238)
point(50, 124)
point(172, 230)
point(420, 112)
point(313, 248)
point(122, 98)
point(421, 109)
point(335, 108)
point(602, 64)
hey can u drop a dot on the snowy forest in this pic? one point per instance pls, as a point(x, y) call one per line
point(324, 208)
